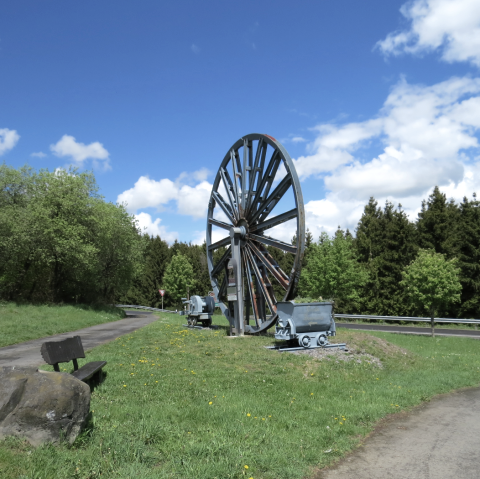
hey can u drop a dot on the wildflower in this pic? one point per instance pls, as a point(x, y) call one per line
point(263, 419)
point(124, 385)
point(210, 403)
point(248, 414)
point(246, 467)
point(311, 394)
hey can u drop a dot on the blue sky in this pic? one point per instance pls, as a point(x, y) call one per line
point(370, 98)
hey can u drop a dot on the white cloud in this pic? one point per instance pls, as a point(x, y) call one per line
point(429, 136)
point(8, 139)
point(195, 48)
point(67, 146)
point(148, 193)
point(194, 201)
point(154, 228)
point(38, 154)
point(450, 25)
point(298, 139)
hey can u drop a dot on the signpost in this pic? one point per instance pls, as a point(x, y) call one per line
point(162, 292)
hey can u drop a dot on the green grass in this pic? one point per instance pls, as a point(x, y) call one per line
point(21, 322)
point(180, 403)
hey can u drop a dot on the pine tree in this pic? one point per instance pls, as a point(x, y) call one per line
point(469, 257)
point(437, 224)
point(386, 243)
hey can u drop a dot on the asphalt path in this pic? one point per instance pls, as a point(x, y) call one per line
point(28, 353)
point(411, 330)
point(437, 440)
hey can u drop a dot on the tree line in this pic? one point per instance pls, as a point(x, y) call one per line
point(370, 273)
point(60, 241)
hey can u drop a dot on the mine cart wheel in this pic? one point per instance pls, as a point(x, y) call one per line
point(256, 187)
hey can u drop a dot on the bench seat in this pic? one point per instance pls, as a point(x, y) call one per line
point(87, 371)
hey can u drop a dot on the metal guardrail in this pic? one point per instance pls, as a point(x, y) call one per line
point(144, 307)
point(407, 318)
point(345, 316)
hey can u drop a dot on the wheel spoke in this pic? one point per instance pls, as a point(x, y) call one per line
point(257, 168)
point(275, 221)
point(266, 182)
point(222, 261)
point(227, 181)
point(247, 166)
point(261, 282)
point(226, 208)
point(274, 242)
point(267, 206)
point(223, 242)
point(219, 223)
point(236, 167)
point(283, 282)
point(251, 289)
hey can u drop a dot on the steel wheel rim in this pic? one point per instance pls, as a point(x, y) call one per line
point(249, 201)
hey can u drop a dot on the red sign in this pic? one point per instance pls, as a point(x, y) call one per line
point(161, 291)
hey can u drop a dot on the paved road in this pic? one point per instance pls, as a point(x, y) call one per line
point(438, 440)
point(467, 333)
point(28, 353)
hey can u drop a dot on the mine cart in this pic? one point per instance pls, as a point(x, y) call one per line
point(308, 323)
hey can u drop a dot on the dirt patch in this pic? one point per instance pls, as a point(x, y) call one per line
point(337, 355)
point(361, 348)
point(360, 343)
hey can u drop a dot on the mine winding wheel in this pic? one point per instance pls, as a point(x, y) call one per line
point(256, 190)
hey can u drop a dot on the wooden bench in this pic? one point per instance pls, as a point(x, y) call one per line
point(70, 349)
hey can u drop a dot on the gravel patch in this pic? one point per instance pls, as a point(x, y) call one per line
point(337, 355)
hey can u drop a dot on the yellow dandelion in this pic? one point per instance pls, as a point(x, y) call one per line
point(210, 403)
point(246, 467)
point(248, 414)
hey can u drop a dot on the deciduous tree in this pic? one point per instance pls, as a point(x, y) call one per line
point(431, 282)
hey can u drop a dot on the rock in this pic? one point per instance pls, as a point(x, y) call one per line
point(42, 406)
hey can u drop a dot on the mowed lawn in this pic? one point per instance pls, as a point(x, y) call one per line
point(180, 403)
point(19, 323)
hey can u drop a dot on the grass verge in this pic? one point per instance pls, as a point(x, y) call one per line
point(180, 403)
point(23, 322)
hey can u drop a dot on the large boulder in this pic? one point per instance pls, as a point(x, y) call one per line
point(42, 406)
